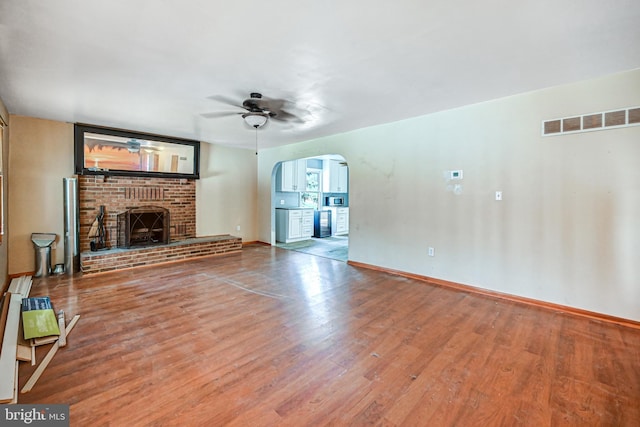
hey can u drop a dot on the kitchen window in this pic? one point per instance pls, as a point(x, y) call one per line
point(311, 196)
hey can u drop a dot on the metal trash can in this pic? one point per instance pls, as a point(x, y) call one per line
point(42, 244)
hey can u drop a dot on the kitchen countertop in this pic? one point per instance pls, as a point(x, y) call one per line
point(324, 208)
point(293, 208)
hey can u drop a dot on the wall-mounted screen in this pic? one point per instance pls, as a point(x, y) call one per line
point(106, 151)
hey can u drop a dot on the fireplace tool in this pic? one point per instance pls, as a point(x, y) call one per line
point(97, 232)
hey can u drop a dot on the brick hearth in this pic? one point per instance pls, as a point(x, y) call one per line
point(117, 259)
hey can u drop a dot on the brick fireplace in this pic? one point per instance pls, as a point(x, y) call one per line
point(118, 195)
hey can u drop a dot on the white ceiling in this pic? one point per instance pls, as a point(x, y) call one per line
point(154, 65)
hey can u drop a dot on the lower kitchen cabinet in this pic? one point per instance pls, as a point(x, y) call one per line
point(293, 225)
point(339, 221)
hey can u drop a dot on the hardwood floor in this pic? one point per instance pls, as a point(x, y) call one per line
point(271, 337)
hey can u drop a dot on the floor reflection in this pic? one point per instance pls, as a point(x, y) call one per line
point(334, 247)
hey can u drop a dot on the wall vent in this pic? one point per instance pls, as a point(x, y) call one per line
point(593, 121)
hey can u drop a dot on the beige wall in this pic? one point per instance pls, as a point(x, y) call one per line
point(40, 155)
point(566, 232)
point(4, 150)
point(226, 192)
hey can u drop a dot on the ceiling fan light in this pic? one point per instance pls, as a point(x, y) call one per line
point(255, 120)
point(133, 146)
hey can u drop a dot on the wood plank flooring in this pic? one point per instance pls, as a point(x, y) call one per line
point(270, 337)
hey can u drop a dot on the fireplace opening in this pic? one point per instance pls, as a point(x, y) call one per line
point(143, 226)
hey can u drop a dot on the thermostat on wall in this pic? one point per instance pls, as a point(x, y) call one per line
point(456, 174)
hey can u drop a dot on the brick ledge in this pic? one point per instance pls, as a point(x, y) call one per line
point(122, 258)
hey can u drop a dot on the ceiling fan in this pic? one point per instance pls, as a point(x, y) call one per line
point(258, 110)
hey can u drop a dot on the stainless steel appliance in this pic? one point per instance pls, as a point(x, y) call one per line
point(322, 224)
point(334, 201)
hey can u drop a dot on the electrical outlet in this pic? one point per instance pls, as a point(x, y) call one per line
point(282, 201)
point(432, 252)
point(237, 228)
point(498, 195)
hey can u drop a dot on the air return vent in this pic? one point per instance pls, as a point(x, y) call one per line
point(593, 121)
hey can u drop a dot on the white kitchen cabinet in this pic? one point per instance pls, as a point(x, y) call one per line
point(337, 180)
point(292, 176)
point(293, 225)
point(339, 221)
point(307, 223)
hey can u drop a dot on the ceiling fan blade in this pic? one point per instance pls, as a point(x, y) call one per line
point(223, 99)
point(284, 116)
point(276, 104)
point(216, 114)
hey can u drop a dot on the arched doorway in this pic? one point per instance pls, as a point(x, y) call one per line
point(311, 206)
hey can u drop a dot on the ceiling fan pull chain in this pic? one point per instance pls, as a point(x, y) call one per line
point(256, 140)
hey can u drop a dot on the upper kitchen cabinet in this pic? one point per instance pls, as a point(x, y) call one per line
point(337, 180)
point(292, 176)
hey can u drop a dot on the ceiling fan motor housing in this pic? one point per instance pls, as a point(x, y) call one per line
point(252, 104)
